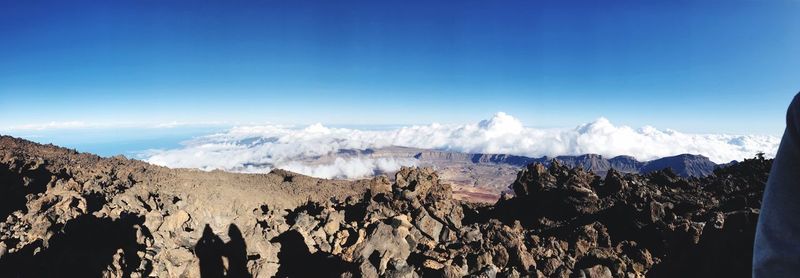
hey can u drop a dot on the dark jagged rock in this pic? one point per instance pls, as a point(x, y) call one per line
point(612, 184)
point(672, 225)
point(565, 191)
point(563, 222)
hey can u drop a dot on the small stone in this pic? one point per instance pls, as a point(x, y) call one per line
point(431, 264)
point(153, 220)
point(597, 271)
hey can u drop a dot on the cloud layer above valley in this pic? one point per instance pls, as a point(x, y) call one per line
point(262, 148)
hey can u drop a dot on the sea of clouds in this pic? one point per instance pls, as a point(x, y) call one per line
point(264, 147)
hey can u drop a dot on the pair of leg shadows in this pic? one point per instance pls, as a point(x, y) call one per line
point(210, 249)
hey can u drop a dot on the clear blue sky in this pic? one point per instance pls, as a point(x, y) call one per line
point(695, 66)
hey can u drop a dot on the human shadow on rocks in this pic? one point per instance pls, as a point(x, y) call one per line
point(296, 260)
point(85, 247)
point(236, 251)
point(210, 249)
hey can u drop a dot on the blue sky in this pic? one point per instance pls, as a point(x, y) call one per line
point(694, 66)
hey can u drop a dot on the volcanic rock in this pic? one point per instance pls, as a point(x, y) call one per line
point(71, 214)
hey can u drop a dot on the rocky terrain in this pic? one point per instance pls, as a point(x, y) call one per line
point(79, 215)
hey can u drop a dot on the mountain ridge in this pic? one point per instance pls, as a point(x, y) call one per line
point(685, 165)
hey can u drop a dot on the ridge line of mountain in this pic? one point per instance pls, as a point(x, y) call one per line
point(686, 165)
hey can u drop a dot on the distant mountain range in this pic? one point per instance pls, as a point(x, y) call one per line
point(484, 176)
point(686, 165)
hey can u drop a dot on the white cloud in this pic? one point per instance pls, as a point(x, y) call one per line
point(261, 148)
point(349, 167)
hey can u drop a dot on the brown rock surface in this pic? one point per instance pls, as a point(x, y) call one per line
point(63, 209)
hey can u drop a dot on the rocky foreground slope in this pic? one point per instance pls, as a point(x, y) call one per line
point(66, 213)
